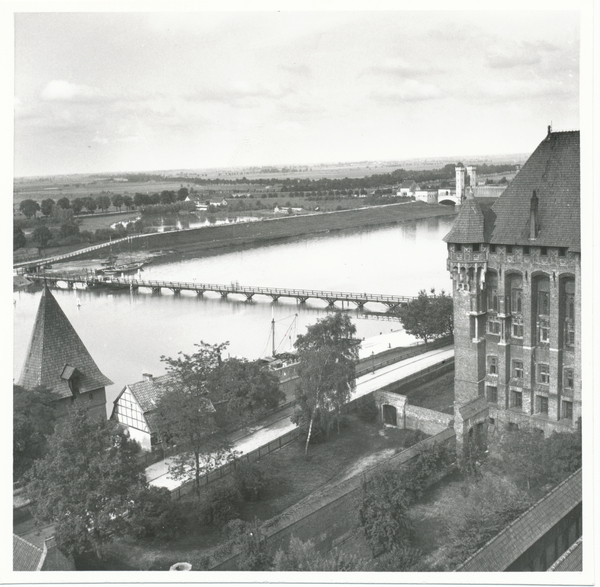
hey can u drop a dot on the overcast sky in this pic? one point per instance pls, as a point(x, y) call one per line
point(150, 91)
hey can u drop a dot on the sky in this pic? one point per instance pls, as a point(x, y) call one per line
point(110, 92)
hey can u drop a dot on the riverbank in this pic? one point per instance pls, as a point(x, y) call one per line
point(214, 240)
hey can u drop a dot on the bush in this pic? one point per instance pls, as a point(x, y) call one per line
point(250, 481)
point(412, 437)
point(367, 409)
point(220, 507)
point(418, 472)
point(155, 515)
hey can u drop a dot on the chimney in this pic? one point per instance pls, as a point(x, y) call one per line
point(533, 219)
point(147, 376)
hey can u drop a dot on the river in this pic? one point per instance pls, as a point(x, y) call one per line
point(126, 333)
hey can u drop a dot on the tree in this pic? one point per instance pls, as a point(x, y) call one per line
point(77, 205)
point(68, 229)
point(103, 202)
point(117, 201)
point(47, 206)
point(154, 514)
point(42, 235)
point(167, 197)
point(29, 208)
point(33, 422)
point(90, 204)
point(383, 512)
point(327, 372)
point(185, 414)
point(64, 203)
point(85, 481)
point(182, 194)
point(249, 389)
point(428, 316)
point(141, 199)
point(128, 202)
point(19, 238)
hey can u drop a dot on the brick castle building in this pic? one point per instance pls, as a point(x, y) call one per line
point(516, 274)
point(58, 360)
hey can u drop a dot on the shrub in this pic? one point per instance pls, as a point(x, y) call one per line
point(154, 515)
point(412, 437)
point(221, 506)
point(367, 409)
point(250, 481)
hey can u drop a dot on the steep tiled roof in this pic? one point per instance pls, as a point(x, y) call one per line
point(55, 345)
point(502, 550)
point(553, 171)
point(26, 556)
point(474, 223)
point(147, 393)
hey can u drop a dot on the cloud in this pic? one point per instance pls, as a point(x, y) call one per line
point(241, 93)
point(63, 91)
point(409, 90)
point(524, 54)
point(401, 68)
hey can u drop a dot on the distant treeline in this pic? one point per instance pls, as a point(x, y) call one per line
point(446, 173)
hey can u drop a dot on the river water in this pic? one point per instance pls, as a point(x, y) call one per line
point(126, 333)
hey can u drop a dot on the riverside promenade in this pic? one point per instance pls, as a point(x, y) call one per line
point(278, 425)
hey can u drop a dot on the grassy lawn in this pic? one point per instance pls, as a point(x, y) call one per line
point(293, 478)
point(436, 395)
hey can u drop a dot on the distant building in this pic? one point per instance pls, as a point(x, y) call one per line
point(427, 196)
point(489, 191)
point(516, 274)
point(58, 360)
point(408, 188)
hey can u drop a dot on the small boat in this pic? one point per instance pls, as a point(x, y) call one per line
point(123, 268)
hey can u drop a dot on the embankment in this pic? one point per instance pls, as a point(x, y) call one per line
point(217, 239)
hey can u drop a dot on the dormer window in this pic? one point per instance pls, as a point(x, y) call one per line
point(476, 248)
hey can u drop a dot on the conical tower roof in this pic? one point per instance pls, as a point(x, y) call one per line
point(470, 225)
point(56, 356)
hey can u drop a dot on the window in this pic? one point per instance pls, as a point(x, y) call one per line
point(526, 250)
point(492, 248)
point(476, 247)
point(543, 373)
point(516, 300)
point(458, 248)
point(543, 303)
point(509, 249)
point(568, 378)
point(517, 327)
point(493, 324)
point(544, 331)
point(569, 311)
point(541, 404)
point(562, 252)
point(518, 369)
point(492, 365)
point(567, 410)
point(492, 394)
point(544, 251)
point(516, 399)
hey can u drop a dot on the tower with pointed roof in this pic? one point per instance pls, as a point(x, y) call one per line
point(58, 360)
point(516, 274)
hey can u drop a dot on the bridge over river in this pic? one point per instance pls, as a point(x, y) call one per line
point(91, 280)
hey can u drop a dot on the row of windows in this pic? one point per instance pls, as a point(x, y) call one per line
point(543, 371)
point(509, 249)
point(542, 329)
point(541, 402)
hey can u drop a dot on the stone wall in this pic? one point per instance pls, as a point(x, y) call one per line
point(428, 421)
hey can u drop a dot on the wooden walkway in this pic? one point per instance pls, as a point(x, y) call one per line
point(302, 295)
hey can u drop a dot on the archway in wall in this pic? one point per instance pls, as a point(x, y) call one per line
point(390, 415)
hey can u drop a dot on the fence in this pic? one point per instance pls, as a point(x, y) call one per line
point(228, 468)
point(366, 365)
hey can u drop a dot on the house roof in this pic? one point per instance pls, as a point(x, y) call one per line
point(553, 171)
point(474, 222)
point(26, 556)
point(407, 183)
point(502, 550)
point(57, 355)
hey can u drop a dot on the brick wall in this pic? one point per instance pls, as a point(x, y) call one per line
point(428, 421)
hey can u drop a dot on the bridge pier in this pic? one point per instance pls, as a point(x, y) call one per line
point(302, 299)
point(156, 289)
point(274, 297)
point(249, 297)
point(200, 292)
point(175, 290)
point(330, 303)
point(224, 294)
point(360, 305)
point(392, 307)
